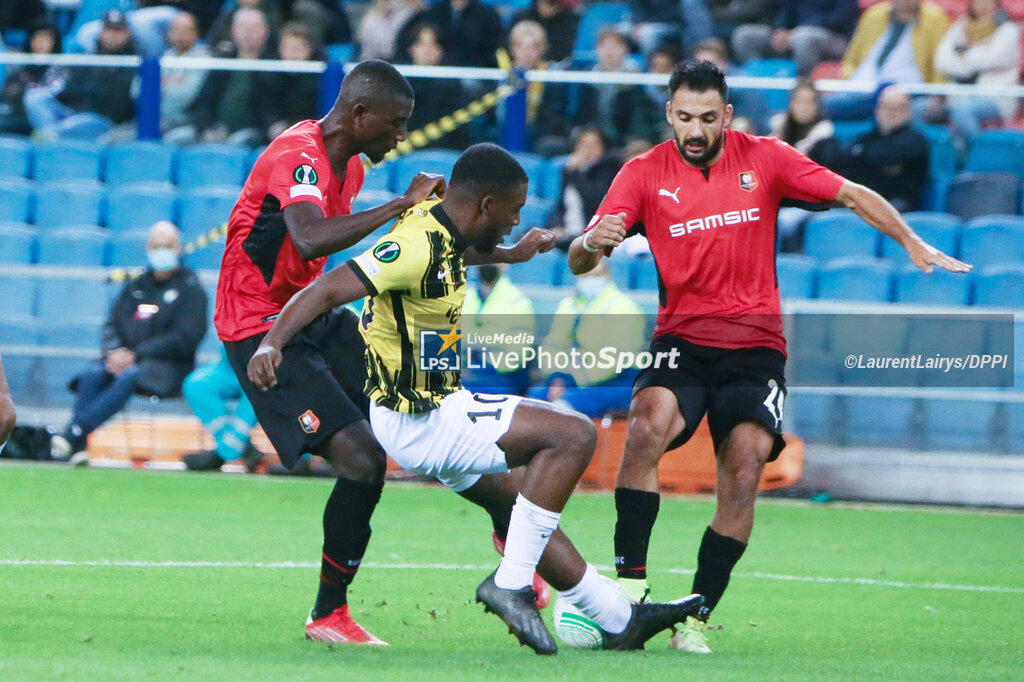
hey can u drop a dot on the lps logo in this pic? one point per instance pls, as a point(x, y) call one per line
point(439, 350)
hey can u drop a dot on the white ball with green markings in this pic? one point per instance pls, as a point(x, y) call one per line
point(575, 629)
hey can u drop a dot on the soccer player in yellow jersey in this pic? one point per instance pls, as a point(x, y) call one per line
point(415, 278)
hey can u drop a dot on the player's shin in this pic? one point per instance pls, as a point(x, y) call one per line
point(346, 535)
point(529, 530)
point(716, 558)
point(600, 602)
point(636, 512)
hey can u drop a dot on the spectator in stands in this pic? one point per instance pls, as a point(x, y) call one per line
point(621, 111)
point(326, 19)
point(748, 104)
point(149, 27)
point(660, 60)
point(210, 391)
point(298, 94)
point(496, 306)
point(472, 30)
point(435, 97)
point(546, 129)
point(810, 31)
point(43, 39)
point(8, 416)
point(892, 158)
point(237, 107)
point(982, 47)
point(560, 22)
point(678, 23)
point(598, 315)
point(587, 175)
point(91, 100)
point(378, 31)
point(728, 15)
point(23, 15)
point(221, 37)
point(149, 342)
point(895, 42)
point(179, 87)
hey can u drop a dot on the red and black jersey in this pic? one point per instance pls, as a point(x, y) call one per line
point(712, 234)
point(261, 269)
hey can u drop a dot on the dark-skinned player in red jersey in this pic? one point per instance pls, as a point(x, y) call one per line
point(294, 211)
point(707, 201)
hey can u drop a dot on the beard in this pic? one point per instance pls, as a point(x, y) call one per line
point(700, 158)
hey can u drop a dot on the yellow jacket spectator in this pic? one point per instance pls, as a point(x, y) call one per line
point(896, 42)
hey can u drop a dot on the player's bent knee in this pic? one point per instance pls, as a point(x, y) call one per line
point(582, 439)
point(355, 454)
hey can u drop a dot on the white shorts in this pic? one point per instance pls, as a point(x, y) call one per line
point(456, 443)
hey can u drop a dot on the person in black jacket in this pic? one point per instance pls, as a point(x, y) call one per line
point(42, 39)
point(587, 175)
point(472, 31)
point(149, 342)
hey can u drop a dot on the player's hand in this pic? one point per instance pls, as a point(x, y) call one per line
point(262, 366)
point(924, 256)
point(609, 232)
point(537, 240)
point(423, 186)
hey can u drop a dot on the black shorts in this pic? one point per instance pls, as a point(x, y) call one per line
point(319, 384)
point(730, 386)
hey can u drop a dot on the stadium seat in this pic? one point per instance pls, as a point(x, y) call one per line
point(536, 167)
point(959, 424)
point(75, 332)
point(61, 203)
point(595, 17)
point(61, 298)
point(944, 159)
point(438, 161)
point(139, 161)
point(206, 258)
point(378, 178)
point(993, 240)
point(1000, 285)
point(128, 249)
point(946, 336)
point(19, 368)
point(837, 234)
point(17, 296)
point(533, 214)
point(941, 230)
point(870, 335)
point(17, 243)
point(878, 421)
point(17, 200)
point(538, 270)
point(553, 177)
point(78, 245)
point(204, 208)
point(138, 206)
point(795, 275)
point(776, 99)
point(206, 165)
point(622, 270)
point(1014, 426)
point(813, 416)
point(341, 52)
point(15, 157)
point(938, 288)
point(976, 194)
point(67, 160)
point(997, 151)
point(847, 131)
point(855, 279)
point(645, 273)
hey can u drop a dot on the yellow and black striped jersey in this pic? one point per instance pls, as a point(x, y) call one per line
point(416, 277)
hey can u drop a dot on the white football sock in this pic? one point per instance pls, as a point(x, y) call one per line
point(600, 602)
point(528, 534)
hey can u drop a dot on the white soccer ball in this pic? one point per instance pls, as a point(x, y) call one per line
point(575, 629)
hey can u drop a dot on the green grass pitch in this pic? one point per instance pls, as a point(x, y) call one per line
point(209, 577)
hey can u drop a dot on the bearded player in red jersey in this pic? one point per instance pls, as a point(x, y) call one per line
point(707, 201)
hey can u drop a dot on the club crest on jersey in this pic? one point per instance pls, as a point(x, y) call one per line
point(309, 422)
point(387, 252)
point(748, 181)
point(305, 175)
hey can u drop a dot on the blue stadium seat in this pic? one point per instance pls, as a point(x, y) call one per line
point(1014, 426)
point(534, 214)
point(128, 249)
point(17, 296)
point(941, 230)
point(1000, 285)
point(959, 424)
point(976, 194)
point(138, 206)
point(871, 335)
point(428, 161)
point(63, 298)
point(553, 177)
point(75, 332)
point(878, 421)
point(1000, 151)
point(944, 159)
point(563, 275)
point(203, 208)
point(595, 17)
point(17, 200)
point(15, 157)
point(61, 203)
point(796, 275)
point(538, 270)
point(19, 368)
point(536, 167)
point(839, 233)
point(139, 161)
point(341, 52)
point(938, 288)
point(993, 240)
point(945, 336)
point(645, 273)
point(206, 258)
point(378, 178)
point(67, 160)
point(777, 100)
point(17, 243)
point(371, 198)
point(855, 279)
point(77, 245)
point(622, 270)
point(848, 131)
point(814, 416)
point(206, 165)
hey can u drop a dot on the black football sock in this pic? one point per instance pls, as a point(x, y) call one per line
point(637, 511)
point(346, 534)
point(715, 560)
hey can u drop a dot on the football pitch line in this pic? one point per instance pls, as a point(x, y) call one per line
point(869, 582)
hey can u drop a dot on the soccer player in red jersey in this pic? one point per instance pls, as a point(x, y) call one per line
point(707, 201)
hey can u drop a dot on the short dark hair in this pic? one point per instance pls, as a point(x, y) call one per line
point(698, 77)
point(377, 80)
point(486, 168)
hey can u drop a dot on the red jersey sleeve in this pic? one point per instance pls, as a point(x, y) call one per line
point(624, 196)
point(797, 177)
point(301, 174)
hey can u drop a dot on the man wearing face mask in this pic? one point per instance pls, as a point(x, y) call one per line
point(597, 316)
point(149, 343)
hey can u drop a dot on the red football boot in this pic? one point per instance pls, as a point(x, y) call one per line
point(339, 626)
point(540, 586)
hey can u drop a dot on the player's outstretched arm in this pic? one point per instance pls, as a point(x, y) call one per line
point(316, 235)
point(598, 241)
point(337, 287)
point(537, 240)
point(881, 215)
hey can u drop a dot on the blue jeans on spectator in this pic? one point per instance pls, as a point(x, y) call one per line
point(100, 395)
point(209, 390)
point(593, 401)
point(52, 119)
